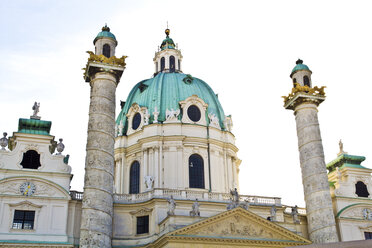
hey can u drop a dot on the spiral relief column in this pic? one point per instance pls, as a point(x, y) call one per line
point(103, 74)
point(304, 100)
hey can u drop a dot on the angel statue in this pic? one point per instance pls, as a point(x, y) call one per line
point(35, 108)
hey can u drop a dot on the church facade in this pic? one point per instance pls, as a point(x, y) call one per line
point(164, 172)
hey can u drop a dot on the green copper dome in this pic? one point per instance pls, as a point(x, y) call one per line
point(299, 66)
point(165, 91)
point(105, 33)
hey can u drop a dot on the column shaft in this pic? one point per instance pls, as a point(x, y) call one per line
point(321, 220)
point(97, 206)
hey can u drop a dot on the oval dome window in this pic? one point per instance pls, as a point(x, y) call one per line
point(194, 113)
point(136, 121)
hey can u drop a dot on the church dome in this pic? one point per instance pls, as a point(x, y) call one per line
point(105, 33)
point(165, 91)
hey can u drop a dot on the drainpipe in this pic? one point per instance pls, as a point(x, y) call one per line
point(209, 161)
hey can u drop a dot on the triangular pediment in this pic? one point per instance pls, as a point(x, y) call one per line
point(239, 223)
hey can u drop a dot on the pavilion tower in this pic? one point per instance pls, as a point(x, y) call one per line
point(103, 72)
point(168, 58)
point(304, 100)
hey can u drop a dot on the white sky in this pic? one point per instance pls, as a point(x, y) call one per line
point(245, 50)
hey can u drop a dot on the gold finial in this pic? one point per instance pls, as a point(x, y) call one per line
point(105, 28)
point(167, 31)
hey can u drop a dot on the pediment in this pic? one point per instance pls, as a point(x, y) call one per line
point(362, 211)
point(43, 188)
point(239, 223)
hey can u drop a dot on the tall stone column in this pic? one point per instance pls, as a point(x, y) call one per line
point(321, 220)
point(97, 208)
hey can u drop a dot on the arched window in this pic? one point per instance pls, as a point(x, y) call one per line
point(31, 160)
point(162, 64)
point(306, 81)
point(179, 65)
point(172, 64)
point(106, 50)
point(196, 171)
point(294, 82)
point(361, 189)
point(134, 178)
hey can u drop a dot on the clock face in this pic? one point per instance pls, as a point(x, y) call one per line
point(27, 188)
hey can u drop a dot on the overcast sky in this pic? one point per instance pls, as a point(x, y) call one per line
point(245, 50)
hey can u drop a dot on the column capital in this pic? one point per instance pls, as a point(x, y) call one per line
point(100, 63)
point(304, 94)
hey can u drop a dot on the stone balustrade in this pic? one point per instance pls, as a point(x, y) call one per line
point(288, 210)
point(76, 195)
point(201, 195)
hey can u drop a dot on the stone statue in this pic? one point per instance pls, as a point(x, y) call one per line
point(234, 199)
point(213, 120)
point(245, 204)
point(60, 147)
point(4, 141)
point(235, 195)
point(149, 182)
point(146, 117)
point(172, 115)
point(156, 115)
point(294, 214)
point(121, 128)
point(273, 213)
point(36, 110)
point(171, 206)
point(195, 209)
point(341, 146)
point(228, 123)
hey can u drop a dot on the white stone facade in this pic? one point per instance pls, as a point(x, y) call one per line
point(50, 196)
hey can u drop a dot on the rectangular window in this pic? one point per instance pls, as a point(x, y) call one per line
point(23, 219)
point(368, 235)
point(142, 224)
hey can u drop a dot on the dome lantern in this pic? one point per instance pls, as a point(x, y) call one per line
point(168, 58)
point(105, 42)
point(301, 74)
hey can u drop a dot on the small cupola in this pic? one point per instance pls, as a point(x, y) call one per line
point(105, 42)
point(301, 74)
point(168, 58)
